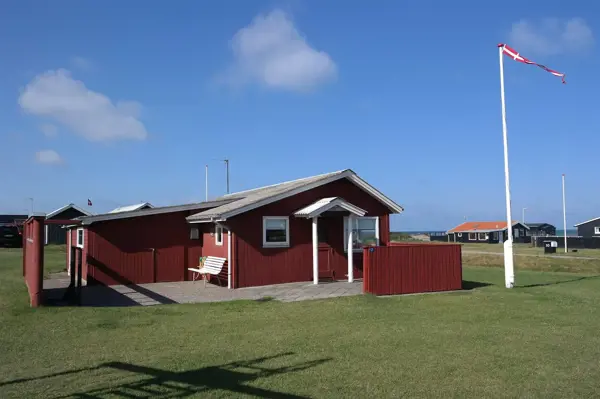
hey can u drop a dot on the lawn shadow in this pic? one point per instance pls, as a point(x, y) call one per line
point(232, 377)
point(558, 282)
point(473, 285)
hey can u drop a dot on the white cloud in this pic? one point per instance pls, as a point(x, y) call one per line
point(49, 130)
point(551, 36)
point(271, 52)
point(81, 63)
point(49, 157)
point(92, 115)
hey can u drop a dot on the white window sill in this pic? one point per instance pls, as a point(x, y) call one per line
point(276, 245)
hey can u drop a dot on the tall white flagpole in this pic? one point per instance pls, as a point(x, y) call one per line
point(564, 213)
point(509, 268)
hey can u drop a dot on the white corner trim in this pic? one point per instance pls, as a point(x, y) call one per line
point(287, 232)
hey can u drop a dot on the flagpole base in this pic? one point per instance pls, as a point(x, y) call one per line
point(509, 266)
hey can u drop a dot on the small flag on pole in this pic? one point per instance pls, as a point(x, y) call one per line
point(512, 53)
point(89, 202)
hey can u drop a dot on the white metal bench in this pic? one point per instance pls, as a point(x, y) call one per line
point(212, 265)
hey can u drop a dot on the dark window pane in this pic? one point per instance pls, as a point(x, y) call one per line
point(275, 235)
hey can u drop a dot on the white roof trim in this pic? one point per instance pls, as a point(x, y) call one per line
point(64, 208)
point(133, 207)
point(349, 174)
point(195, 207)
point(587, 221)
point(325, 204)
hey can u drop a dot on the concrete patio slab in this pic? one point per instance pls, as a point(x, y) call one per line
point(196, 292)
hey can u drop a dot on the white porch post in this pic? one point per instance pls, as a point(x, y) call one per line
point(69, 252)
point(315, 243)
point(350, 250)
point(229, 265)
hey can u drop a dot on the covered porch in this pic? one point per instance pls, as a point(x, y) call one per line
point(321, 214)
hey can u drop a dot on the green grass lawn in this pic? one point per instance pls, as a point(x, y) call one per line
point(538, 340)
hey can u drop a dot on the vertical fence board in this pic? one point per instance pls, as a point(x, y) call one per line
point(412, 268)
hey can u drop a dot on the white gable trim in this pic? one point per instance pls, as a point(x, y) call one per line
point(325, 204)
point(349, 174)
point(587, 221)
point(64, 208)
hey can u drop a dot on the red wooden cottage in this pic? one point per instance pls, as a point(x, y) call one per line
point(300, 230)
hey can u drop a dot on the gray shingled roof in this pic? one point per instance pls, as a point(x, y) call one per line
point(250, 199)
point(154, 211)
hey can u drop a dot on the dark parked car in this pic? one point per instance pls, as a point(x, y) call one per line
point(10, 236)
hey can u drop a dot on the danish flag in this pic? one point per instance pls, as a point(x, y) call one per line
point(512, 53)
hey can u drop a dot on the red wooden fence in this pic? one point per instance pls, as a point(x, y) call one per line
point(33, 258)
point(410, 268)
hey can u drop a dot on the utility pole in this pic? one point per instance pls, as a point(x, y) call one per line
point(31, 199)
point(227, 170)
point(206, 181)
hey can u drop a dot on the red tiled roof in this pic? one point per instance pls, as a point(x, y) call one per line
point(480, 226)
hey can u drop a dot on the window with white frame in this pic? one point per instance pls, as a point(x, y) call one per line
point(218, 235)
point(460, 234)
point(365, 231)
point(473, 236)
point(80, 238)
point(276, 231)
point(597, 230)
point(482, 237)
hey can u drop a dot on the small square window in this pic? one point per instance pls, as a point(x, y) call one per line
point(365, 232)
point(80, 238)
point(597, 230)
point(218, 235)
point(194, 233)
point(276, 231)
point(473, 236)
point(482, 237)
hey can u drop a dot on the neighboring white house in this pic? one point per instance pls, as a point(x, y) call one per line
point(135, 207)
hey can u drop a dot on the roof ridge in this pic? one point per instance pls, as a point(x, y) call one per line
point(283, 183)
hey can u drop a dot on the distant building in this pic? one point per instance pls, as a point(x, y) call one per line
point(13, 219)
point(590, 228)
point(488, 232)
point(134, 207)
point(541, 229)
point(55, 233)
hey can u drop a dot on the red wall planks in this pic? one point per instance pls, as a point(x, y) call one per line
point(257, 266)
point(412, 268)
point(211, 248)
point(154, 248)
point(33, 258)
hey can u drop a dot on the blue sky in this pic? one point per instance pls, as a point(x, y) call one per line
point(122, 102)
